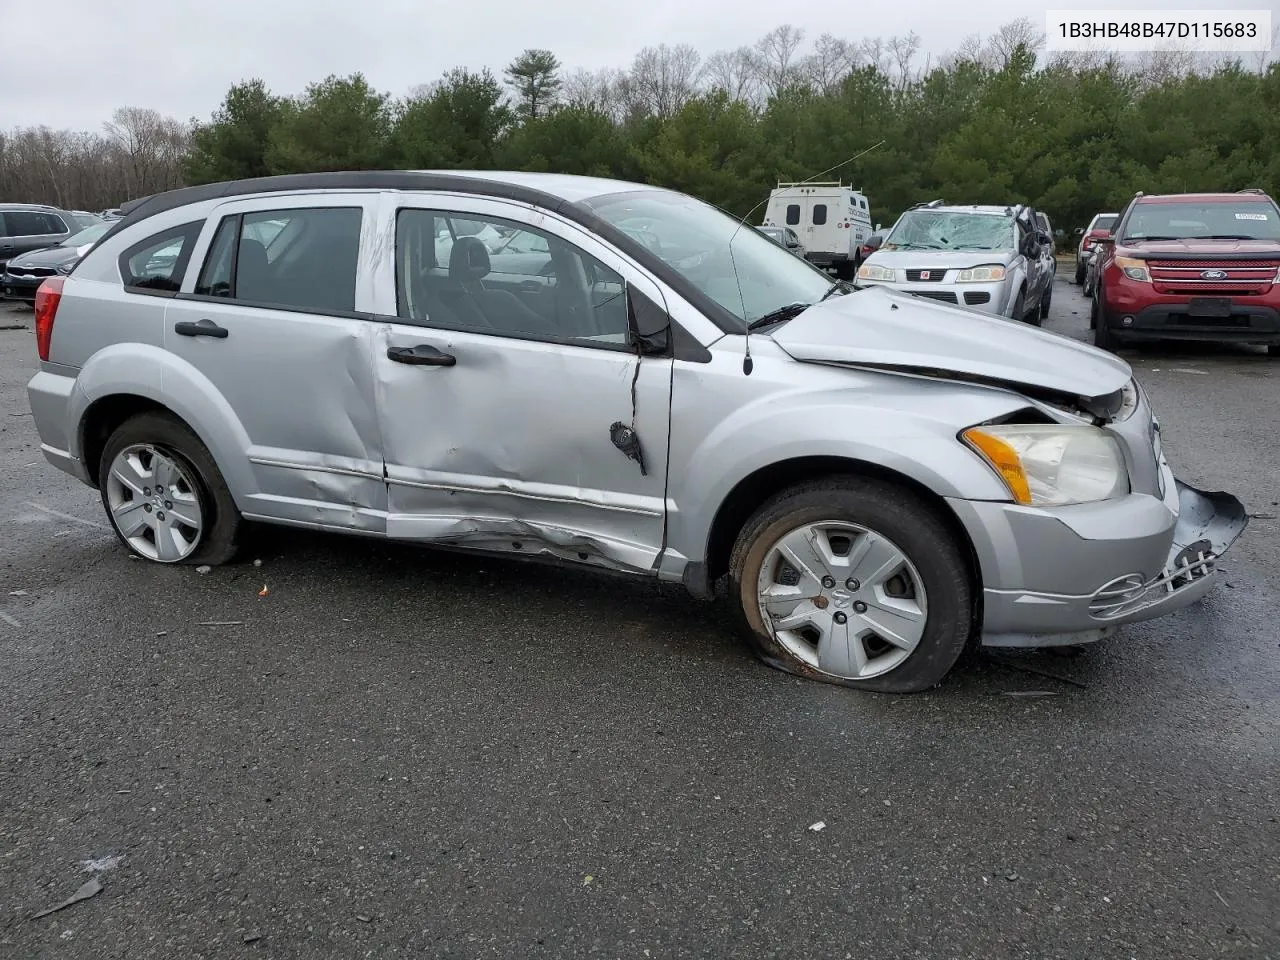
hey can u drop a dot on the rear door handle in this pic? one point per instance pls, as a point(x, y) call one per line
point(201, 328)
point(421, 355)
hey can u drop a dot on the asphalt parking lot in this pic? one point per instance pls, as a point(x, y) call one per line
point(404, 753)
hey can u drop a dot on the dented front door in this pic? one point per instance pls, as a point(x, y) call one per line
point(499, 431)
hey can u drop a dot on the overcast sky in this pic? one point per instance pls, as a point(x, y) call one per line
point(70, 63)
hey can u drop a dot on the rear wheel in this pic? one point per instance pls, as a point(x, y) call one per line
point(854, 581)
point(1079, 274)
point(1273, 350)
point(164, 495)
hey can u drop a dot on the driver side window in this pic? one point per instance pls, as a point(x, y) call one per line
point(486, 275)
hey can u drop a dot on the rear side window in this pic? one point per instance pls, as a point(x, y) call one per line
point(302, 259)
point(158, 263)
point(793, 214)
point(819, 214)
point(32, 223)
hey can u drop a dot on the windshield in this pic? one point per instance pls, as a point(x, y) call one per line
point(693, 239)
point(85, 219)
point(1104, 223)
point(1211, 220)
point(89, 235)
point(950, 230)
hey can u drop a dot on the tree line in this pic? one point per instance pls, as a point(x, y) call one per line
point(995, 121)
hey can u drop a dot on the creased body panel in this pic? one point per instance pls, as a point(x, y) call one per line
point(512, 445)
point(301, 386)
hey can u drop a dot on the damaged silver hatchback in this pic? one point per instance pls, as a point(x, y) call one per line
point(622, 377)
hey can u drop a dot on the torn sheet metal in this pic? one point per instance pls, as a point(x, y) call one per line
point(513, 443)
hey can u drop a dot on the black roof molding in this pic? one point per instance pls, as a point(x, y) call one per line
point(136, 211)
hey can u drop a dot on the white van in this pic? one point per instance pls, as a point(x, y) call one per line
point(831, 220)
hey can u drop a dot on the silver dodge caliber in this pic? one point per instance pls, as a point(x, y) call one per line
point(621, 377)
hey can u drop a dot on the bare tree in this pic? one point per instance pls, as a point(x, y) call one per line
point(599, 89)
point(776, 57)
point(829, 63)
point(662, 79)
point(1004, 43)
point(736, 72)
point(152, 147)
point(901, 53)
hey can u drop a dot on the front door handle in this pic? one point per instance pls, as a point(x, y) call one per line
point(421, 355)
point(202, 328)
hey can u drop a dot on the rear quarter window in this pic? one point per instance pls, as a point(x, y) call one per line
point(157, 264)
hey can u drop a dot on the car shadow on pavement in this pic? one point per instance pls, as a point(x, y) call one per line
point(559, 605)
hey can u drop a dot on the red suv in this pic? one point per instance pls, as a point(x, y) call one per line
point(1191, 266)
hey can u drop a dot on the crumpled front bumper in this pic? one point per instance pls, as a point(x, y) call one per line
point(1118, 562)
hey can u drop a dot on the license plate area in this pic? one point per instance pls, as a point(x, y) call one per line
point(1212, 307)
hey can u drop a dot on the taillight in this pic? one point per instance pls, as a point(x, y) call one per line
point(47, 298)
point(1088, 244)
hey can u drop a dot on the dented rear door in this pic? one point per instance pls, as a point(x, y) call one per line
point(499, 416)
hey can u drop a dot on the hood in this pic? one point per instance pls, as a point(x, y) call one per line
point(48, 257)
point(940, 259)
point(1200, 249)
point(881, 328)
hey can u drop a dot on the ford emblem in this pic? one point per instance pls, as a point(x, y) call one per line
point(1213, 274)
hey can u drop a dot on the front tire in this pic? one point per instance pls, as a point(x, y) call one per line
point(1102, 336)
point(854, 581)
point(1273, 350)
point(164, 495)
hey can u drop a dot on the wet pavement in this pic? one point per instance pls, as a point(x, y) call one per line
point(405, 753)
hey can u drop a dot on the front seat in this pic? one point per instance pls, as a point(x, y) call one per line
point(251, 271)
point(468, 297)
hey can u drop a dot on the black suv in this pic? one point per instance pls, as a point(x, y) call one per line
point(32, 226)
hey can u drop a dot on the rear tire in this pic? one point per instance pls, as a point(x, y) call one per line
point(1273, 350)
point(925, 601)
point(161, 447)
point(1080, 271)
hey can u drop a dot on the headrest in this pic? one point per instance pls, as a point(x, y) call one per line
point(468, 260)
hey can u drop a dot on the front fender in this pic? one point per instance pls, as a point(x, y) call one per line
point(910, 430)
point(155, 374)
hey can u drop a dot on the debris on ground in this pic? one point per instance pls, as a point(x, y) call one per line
point(257, 563)
point(203, 568)
point(17, 593)
point(252, 937)
point(90, 888)
point(586, 881)
point(220, 623)
point(102, 864)
point(363, 918)
point(1029, 693)
point(818, 827)
point(264, 591)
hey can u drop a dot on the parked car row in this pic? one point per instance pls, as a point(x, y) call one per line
point(38, 241)
point(626, 379)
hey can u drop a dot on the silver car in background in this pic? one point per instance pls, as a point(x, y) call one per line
point(994, 259)
point(878, 479)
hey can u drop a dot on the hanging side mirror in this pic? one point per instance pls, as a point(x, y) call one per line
point(648, 325)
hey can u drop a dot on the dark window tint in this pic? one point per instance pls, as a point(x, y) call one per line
point(32, 223)
point(507, 279)
point(302, 259)
point(793, 213)
point(819, 214)
point(1104, 223)
point(159, 262)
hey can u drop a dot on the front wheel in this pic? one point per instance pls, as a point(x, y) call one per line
point(854, 581)
point(1273, 350)
point(164, 495)
point(1102, 336)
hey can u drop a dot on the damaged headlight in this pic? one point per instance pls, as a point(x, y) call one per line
point(1049, 465)
point(873, 271)
point(989, 273)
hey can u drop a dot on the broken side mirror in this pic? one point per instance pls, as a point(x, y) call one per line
point(648, 325)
